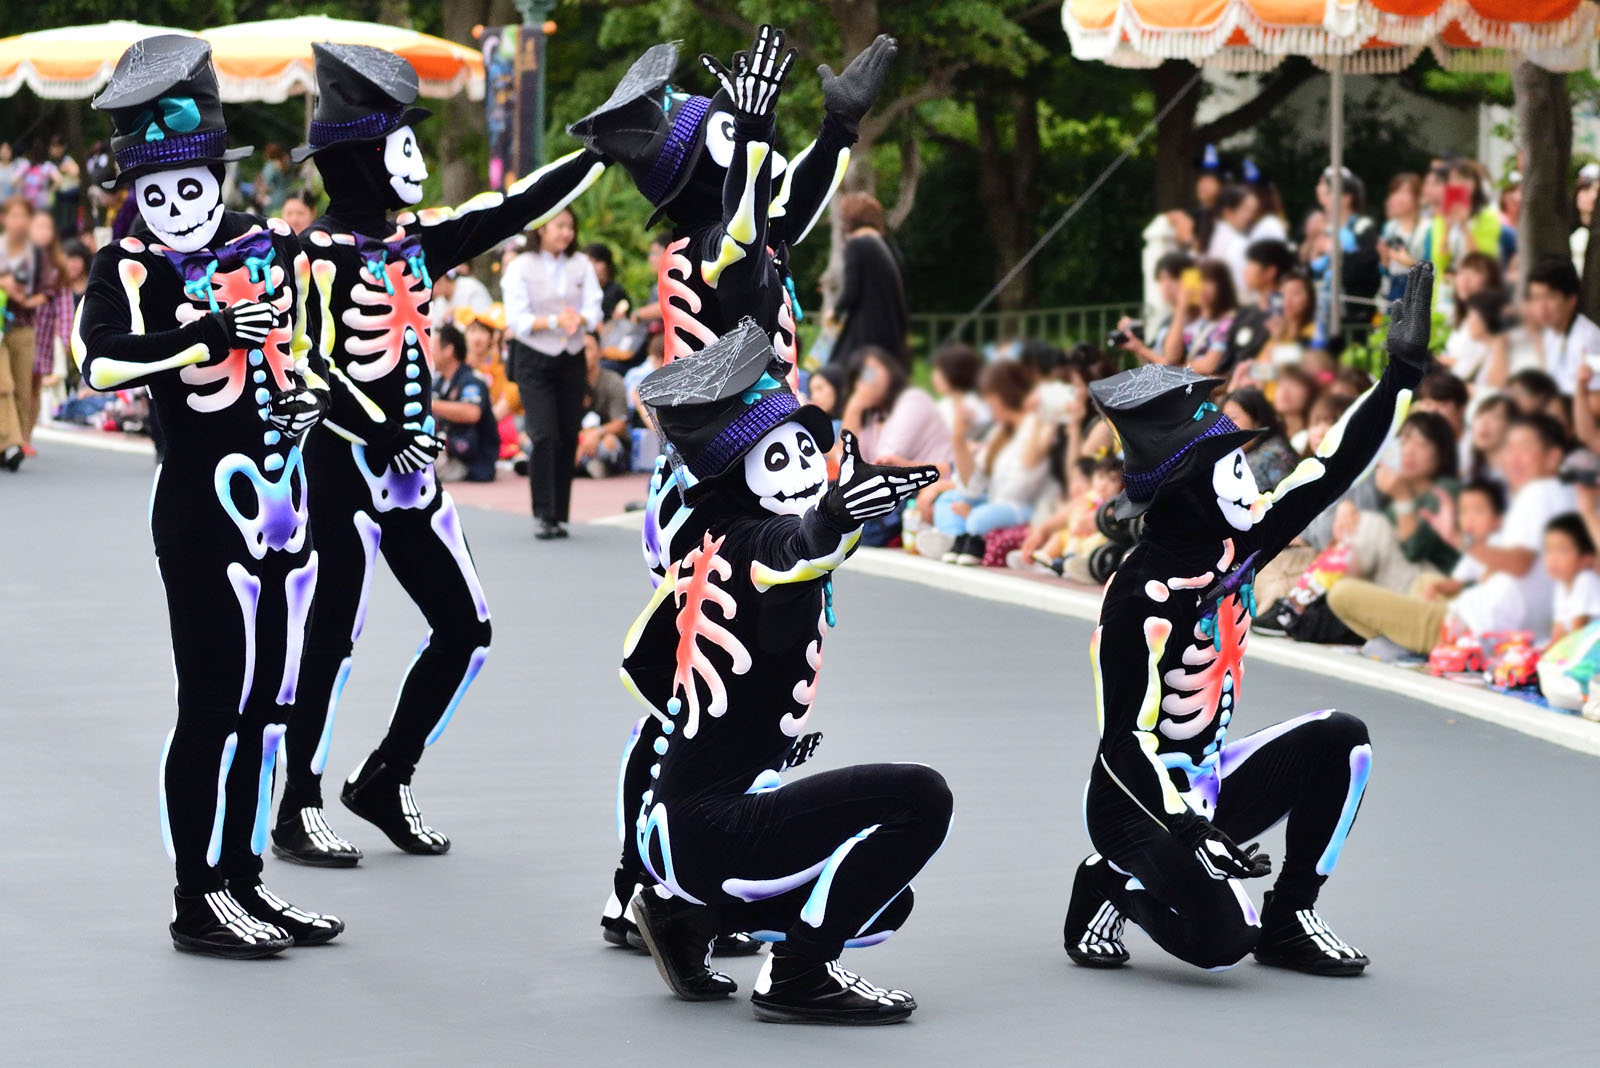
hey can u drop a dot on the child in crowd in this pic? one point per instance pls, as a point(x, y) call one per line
point(1480, 506)
point(1569, 557)
point(955, 382)
point(1069, 534)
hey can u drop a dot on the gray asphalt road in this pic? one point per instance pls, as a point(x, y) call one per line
point(1469, 878)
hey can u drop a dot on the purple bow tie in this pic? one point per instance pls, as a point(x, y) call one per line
point(254, 252)
point(407, 248)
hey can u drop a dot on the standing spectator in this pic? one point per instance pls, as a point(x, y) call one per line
point(461, 405)
point(603, 435)
point(612, 295)
point(1583, 198)
point(22, 277)
point(1271, 458)
point(66, 180)
point(1148, 341)
point(1199, 333)
point(552, 298)
point(1477, 350)
point(1272, 224)
point(1236, 213)
point(38, 178)
point(871, 305)
point(11, 169)
point(1569, 335)
point(275, 182)
point(52, 323)
point(1467, 222)
point(893, 419)
point(1404, 236)
point(1266, 264)
point(299, 209)
point(458, 289)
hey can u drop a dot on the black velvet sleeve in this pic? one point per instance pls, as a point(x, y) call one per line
point(109, 340)
point(813, 175)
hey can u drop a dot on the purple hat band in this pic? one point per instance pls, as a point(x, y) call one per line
point(743, 432)
point(377, 124)
point(175, 148)
point(680, 139)
point(1142, 485)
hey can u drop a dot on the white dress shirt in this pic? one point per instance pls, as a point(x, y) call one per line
point(536, 286)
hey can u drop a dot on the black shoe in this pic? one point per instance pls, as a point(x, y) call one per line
point(1302, 940)
point(679, 936)
point(215, 923)
point(561, 530)
point(306, 928)
point(12, 458)
point(519, 467)
point(383, 799)
point(793, 991)
point(1093, 931)
point(545, 530)
point(736, 945)
point(615, 925)
point(304, 837)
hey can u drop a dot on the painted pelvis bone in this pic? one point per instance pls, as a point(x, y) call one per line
point(390, 489)
point(270, 513)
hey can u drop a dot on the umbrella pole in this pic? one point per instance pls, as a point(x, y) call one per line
point(1335, 220)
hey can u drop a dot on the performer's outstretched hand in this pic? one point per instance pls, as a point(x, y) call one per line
point(1411, 318)
point(297, 410)
point(866, 491)
point(850, 94)
point(1218, 853)
point(757, 76)
point(247, 323)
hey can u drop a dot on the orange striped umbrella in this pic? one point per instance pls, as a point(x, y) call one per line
point(68, 63)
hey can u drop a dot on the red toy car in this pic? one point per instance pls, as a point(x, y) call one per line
point(1463, 654)
point(1517, 666)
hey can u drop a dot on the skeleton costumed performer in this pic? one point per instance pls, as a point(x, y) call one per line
point(710, 164)
point(371, 463)
point(1170, 794)
point(205, 308)
point(726, 657)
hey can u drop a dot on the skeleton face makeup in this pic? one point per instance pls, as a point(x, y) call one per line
point(402, 157)
point(786, 471)
point(181, 207)
point(1236, 490)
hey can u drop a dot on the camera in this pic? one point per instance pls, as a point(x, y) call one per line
point(1119, 338)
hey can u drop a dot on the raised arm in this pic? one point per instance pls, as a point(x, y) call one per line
point(1352, 444)
point(453, 235)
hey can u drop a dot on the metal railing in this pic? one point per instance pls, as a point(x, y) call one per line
point(1059, 326)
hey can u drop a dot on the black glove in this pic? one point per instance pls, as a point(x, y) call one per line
point(402, 448)
point(802, 750)
point(1411, 319)
point(297, 410)
point(757, 75)
point(1218, 854)
point(849, 95)
point(866, 491)
point(246, 324)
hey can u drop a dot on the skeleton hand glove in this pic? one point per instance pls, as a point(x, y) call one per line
point(247, 324)
point(849, 95)
point(296, 411)
point(420, 451)
point(1218, 854)
point(866, 491)
point(1411, 319)
point(757, 75)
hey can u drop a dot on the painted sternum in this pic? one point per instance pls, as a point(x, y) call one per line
point(393, 326)
point(1206, 687)
point(268, 367)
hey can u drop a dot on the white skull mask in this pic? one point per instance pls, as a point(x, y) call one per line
point(183, 208)
point(1236, 490)
point(402, 158)
point(786, 471)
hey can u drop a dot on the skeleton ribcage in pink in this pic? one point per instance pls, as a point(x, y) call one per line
point(233, 372)
point(681, 304)
point(1212, 671)
point(695, 588)
point(387, 316)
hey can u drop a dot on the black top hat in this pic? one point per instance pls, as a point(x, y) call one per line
point(1167, 425)
point(656, 134)
point(164, 102)
point(713, 406)
point(363, 94)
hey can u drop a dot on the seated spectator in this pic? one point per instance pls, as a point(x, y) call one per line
point(826, 388)
point(613, 298)
point(463, 411)
point(998, 484)
point(1533, 391)
point(1205, 310)
point(642, 429)
point(1237, 207)
point(485, 333)
point(1326, 410)
point(1400, 243)
point(1293, 394)
point(1446, 395)
point(1569, 335)
point(1350, 382)
point(895, 421)
point(1148, 341)
point(1063, 540)
point(1514, 592)
point(1270, 458)
point(1266, 264)
point(955, 382)
point(1480, 508)
point(1478, 350)
point(603, 440)
point(1476, 272)
point(455, 289)
point(1361, 272)
point(1414, 533)
point(1569, 557)
point(1525, 336)
point(1490, 421)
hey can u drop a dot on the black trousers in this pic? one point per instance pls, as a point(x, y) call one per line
point(238, 625)
point(1312, 770)
point(552, 390)
point(812, 863)
point(423, 542)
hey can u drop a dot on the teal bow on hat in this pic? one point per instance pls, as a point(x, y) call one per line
point(180, 114)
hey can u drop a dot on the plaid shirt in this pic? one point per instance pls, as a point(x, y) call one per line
point(53, 320)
